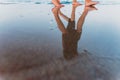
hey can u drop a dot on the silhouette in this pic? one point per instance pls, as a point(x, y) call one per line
point(70, 35)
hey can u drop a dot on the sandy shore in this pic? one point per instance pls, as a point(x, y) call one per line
point(31, 44)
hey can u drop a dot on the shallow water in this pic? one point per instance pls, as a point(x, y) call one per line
point(102, 2)
point(31, 46)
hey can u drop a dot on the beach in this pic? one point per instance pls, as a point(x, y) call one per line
point(31, 43)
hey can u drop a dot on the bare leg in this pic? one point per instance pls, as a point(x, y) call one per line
point(64, 16)
point(57, 3)
point(82, 18)
point(61, 26)
point(90, 2)
point(75, 2)
point(73, 12)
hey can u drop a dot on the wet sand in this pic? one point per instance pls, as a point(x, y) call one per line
point(31, 46)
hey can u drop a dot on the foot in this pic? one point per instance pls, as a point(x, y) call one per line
point(90, 8)
point(57, 3)
point(91, 3)
point(76, 3)
point(56, 10)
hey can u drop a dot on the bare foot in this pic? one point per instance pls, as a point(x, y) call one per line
point(76, 3)
point(90, 8)
point(57, 3)
point(56, 10)
point(91, 3)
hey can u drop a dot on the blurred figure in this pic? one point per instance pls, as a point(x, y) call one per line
point(75, 2)
point(70, 35)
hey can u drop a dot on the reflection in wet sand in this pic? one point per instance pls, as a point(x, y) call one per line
point(31, 53)
point(70, 35)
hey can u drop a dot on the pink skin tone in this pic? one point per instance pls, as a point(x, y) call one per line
point(57, 3)
point(75, 2)
point(90, 2)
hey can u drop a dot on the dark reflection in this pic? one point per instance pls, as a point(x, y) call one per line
point(70, 35)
